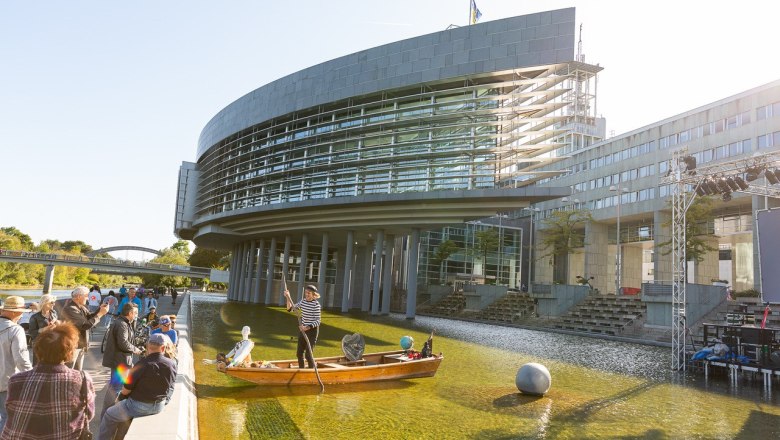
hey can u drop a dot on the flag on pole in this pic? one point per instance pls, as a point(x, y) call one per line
point(475, 13)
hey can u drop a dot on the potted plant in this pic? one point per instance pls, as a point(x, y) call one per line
point(750, 296)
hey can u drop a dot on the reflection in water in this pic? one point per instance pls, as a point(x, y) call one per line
point(600, 389)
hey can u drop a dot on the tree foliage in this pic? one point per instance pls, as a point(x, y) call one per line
point(177, 255)
point(485, 242)
point(23, 274)
point(564, 234)
point(202, 257)
point(443, 252)
point(697, 226)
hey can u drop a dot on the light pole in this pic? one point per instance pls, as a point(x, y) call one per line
point(618, 252)
point(531, 244)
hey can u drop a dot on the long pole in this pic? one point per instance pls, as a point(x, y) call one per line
point(618, 253)
point(530, 249)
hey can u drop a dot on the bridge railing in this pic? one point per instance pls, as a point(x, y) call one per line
point(42, 258)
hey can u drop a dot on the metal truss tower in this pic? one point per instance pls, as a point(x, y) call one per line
point(687, 181)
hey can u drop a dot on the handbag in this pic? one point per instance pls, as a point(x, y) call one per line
point(86, 434)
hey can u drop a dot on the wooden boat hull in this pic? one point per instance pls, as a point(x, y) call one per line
point(391, 365)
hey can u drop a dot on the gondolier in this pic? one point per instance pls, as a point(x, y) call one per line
point(309, 324)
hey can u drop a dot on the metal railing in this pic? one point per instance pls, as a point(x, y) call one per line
point(102, 263)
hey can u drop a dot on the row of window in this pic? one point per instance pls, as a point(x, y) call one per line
point(769, 140)
point(731, 122)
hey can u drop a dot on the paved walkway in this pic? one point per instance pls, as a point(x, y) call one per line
point(179, 418)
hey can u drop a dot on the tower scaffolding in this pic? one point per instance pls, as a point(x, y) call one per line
point(686, 180)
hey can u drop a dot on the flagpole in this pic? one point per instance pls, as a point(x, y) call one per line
point(469, 20)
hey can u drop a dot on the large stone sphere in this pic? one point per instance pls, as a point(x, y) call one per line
point(407, 342)
point(533, 378)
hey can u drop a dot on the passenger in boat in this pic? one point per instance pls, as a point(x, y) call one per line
point(309, 323)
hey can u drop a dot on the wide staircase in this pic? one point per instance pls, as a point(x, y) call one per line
point(604, 314)
point(450, 305)
point(512, 308)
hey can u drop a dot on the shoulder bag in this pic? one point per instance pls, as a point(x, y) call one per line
point(86, 434)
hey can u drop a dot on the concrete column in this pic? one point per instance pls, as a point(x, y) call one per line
point(232, 275)
point(387, 276)
point(596, 261)
point(379, 245)
point(259, 272)
point(241, 280)
point(285, 266)
point(662, 232)
point(321, 278)
point(269, 282)
point(411, 285)
point(365, 270)
point(246, 295)
point(346, 293)
point(708, 269)
point(48, 278)
point(632, 265)
point(304, 263)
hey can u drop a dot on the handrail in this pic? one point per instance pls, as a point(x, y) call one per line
point(44, 258)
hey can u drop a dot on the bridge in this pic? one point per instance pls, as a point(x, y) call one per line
point(122, 248)
point(104, 265)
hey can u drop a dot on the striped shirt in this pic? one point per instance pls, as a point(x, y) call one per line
point(310, 312)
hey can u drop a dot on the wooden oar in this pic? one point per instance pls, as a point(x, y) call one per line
point(306, 338)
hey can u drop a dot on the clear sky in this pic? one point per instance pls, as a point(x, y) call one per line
point(100, 102)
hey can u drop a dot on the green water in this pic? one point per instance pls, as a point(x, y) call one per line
point(600, 389)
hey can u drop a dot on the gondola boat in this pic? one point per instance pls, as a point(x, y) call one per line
point(388, 365)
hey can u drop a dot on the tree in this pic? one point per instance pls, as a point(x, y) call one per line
point(442, 253)
point(563, 235)
point(485, 241)
point(202, 257)
point(697, 221)
point(182, 247)
point(169, 256)
point(24, 240)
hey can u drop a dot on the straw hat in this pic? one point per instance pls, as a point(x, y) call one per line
point(14, 304)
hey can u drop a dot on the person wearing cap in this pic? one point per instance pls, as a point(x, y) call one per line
point(151, 318)
point(166, 328)
point(147, 390)
point(14, 356)
point(76, 312)
point(309, 322)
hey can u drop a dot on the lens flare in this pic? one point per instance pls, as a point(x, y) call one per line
point(122, 374)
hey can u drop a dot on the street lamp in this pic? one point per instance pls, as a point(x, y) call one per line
point(619, 252)
point(531, 243)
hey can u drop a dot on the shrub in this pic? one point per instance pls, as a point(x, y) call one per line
point(749, 293)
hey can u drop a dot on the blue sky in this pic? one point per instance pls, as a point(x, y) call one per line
point(100, 102)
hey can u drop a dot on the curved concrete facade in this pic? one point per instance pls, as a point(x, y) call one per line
point(525, 41)
point(329, 175)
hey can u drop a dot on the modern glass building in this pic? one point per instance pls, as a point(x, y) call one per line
point(331, 175)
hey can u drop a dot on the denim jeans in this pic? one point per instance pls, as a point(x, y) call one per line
point(3, 412)
point(112, 389)
point(123, 411)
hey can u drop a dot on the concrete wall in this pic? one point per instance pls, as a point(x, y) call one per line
point(479, 296)
point(596, 257)
point(560, 299)
point(700, 300)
